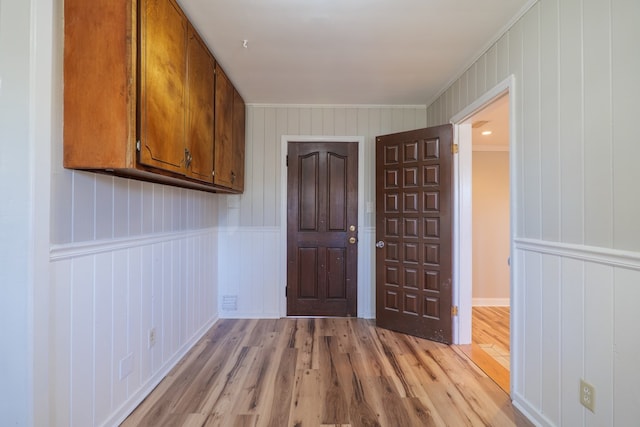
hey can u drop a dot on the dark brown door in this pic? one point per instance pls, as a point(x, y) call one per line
point(414, 208)
point(322, 213)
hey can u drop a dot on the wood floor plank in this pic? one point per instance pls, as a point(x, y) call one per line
point(491, 326)
point(323, 372)
point(489, 349)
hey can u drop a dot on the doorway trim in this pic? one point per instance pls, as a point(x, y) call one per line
point(462, 243)
point(362, 253)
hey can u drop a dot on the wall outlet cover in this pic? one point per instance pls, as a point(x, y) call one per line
point(587, 395)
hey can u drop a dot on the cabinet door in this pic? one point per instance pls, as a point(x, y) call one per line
point(200, 94)
point(237, 173)
point(223, 154)
point(163, 35)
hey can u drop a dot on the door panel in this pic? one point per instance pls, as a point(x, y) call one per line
point(162, 119)
point(238, 132)
point(413, 220)
point(223, 155)
point(200, 113)
point(321, 219)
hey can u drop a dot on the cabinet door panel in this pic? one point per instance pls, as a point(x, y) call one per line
point(223, 155)
point(237, 173)
point(163, 76)
point(200, 95)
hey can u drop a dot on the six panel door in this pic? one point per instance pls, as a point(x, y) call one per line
point(322, 229)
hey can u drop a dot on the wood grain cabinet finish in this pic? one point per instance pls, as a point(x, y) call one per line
point(200, 109)
point(230, 135)
point(223, 154)
point(163, 78)
point(239, 114)
point(140, 97)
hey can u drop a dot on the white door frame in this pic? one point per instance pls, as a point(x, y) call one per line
point(462, 241)
point(363, 253)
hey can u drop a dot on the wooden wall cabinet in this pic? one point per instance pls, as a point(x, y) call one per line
point(230, 134)
point(140, 96)
point(163, 83)
point(239, 114)
point(199, 147)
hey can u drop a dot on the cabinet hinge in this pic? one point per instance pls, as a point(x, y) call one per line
point(138, 145)
point(454, 148)
point(213, 173)
point(454, 310)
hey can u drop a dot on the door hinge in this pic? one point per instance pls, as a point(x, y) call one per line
point(454, 310)
point(287, 161)
point(286, 291)
point(454, 148)
point(138, 145)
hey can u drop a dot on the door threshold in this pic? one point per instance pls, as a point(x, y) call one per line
point(494, 370)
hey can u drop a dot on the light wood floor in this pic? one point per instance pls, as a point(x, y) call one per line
point(320, 372)
point(490, 343)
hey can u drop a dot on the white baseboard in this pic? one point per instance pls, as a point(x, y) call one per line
point(120, 414)
point(491, 302)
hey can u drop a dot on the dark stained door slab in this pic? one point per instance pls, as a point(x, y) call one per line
point(414, 208)
point(322, 192)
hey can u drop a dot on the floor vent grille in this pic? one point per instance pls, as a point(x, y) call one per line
point(229, 302)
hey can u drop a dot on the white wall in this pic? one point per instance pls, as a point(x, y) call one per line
point(250, 223)
point(490, 195)
point(126, 257)
point(89, 262)
point(577, 260)
point(16, 179)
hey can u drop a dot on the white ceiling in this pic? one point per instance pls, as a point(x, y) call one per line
point(383, 52)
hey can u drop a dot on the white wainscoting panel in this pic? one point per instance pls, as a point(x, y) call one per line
point(367, 273)
point(576, 271)
point(577, 321)
point(106, 297)
point(249, 271)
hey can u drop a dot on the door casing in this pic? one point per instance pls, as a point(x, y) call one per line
point(462, 242)
point(364, 253)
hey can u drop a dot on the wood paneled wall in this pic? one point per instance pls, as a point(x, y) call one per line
point(126, 256)
point(577, 264)
point(106, 297)
point(250, 264)
point(259, 206)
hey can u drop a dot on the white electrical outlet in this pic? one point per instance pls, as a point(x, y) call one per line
point(152, 337)
point(587, 395)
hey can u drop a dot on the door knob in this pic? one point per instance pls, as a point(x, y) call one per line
point(380, 244)
point(352, 240)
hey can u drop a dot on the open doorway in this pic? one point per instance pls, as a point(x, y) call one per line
point(490, 337)
point(496, 107)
